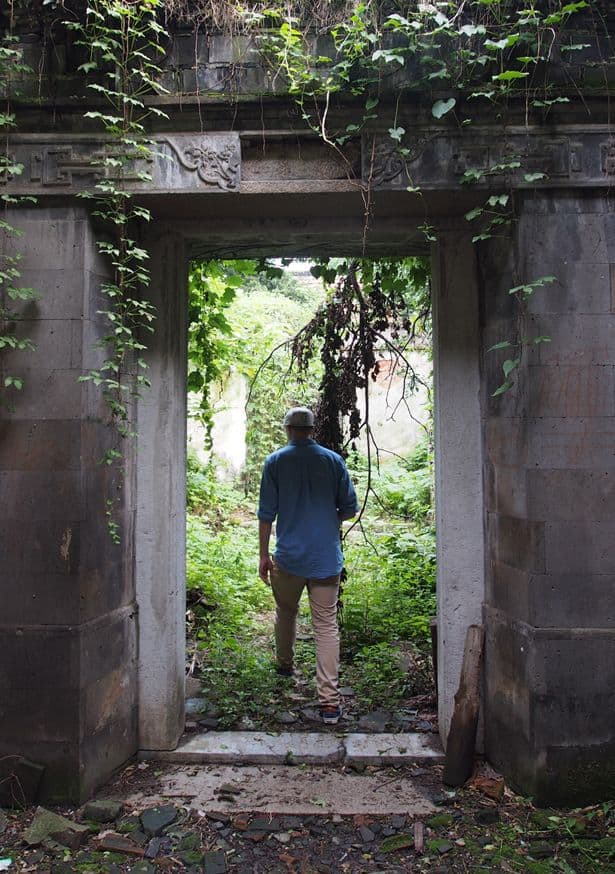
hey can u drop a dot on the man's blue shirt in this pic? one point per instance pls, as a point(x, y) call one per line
point(305, 487)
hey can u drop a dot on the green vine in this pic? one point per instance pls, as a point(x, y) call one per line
point(122, 39)
point(12, 294)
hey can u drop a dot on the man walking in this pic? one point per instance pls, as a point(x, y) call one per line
point(308, 490)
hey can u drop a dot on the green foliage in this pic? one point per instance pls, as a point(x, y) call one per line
point(390, 591)
point(122, 39)
point(376, 676)
point(13, 297)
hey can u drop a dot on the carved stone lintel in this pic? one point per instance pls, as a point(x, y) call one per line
point(608, 158)
point(216, 161)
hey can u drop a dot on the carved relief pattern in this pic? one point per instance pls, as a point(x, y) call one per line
point(386, 164)
point(215, 164)
point(608, 159)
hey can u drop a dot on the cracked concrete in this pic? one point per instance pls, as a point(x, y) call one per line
point(258, 747)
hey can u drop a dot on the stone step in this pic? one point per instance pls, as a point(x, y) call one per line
point(313, 748)
point(278, 789)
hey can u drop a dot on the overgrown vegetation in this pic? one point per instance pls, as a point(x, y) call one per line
point(389, 594)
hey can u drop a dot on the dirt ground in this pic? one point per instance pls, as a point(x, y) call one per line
point(161, 819)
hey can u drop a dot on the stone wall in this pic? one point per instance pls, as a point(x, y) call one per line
point(68, 632)
point(550, 503)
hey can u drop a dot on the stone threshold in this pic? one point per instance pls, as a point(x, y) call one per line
point(296, 747)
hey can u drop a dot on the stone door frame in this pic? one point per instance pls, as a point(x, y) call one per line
point(160, 460)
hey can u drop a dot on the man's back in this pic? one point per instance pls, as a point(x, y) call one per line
point(307, 488)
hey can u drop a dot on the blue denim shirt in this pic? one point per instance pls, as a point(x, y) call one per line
point(305, 487)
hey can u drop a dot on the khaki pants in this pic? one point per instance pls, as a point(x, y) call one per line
point(323, 595)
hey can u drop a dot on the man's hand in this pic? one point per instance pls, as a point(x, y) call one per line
point(265, 566)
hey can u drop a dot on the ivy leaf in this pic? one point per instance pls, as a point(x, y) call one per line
point(509, 76)
point(506, 386)
point(396, 133)
point(441, 107)
point(503, 344)
point(472, 29)
point(509, 365)
point(534, 177)
point(474, 213)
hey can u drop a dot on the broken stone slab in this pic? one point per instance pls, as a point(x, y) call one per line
point(19, 781)
point(255, 747)
point(155, 819)
point(115, 843)
point(376, 721)
point(47, 824)
point(214, 862)
point(392, 749)
point(102, 810)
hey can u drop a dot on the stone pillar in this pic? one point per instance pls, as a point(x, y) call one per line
point(161, 502)
point(458, 450)
point(550, 469)
point(67, 624)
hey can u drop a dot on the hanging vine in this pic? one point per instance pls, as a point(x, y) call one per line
point(13, 296)
point(122, 39)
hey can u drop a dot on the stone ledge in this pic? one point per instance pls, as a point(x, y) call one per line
point(256, 747)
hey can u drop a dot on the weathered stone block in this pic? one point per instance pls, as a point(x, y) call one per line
point(40, 494)
point(516, 542)
point(506, 440)
point(39, 445)
point(54, 237)
point(580, 547)
point(571, 391)
point(61, 292)
point(572, 443)
point(47, 394)
point(507, 490)
point(44, 598)
point(508, 589)
point(579, 339)
point(541, 238)
point(567, 600)
point(571, 494)
point(579, 287)
point(52, 547)
point(33, 716)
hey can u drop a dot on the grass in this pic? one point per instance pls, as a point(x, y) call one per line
point(389, 597)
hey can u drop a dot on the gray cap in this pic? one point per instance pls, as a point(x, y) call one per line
point(299, 417)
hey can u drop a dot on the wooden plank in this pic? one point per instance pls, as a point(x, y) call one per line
point(460, 746)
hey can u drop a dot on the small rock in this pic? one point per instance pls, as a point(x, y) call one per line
point(347, 691)
point(230, 789)
point(156, 819)
point(398, 821)
point(102, 810)
point(423, 725)
point(488, 816)
point(285, 717)
point(444, 847)
point(153, 848)
point(337, 817)
point(69, 838)
point(214, 863)
point(208, 722)
point(142, 868)
point(376, 721)
point(195, 705)
point(119, 844)
point(264, 824)
point(218, 817)
point(46, 823)
point(541, 850)
point(246, 724)
point(388, 831)
point(282, 837)
point(367, 834)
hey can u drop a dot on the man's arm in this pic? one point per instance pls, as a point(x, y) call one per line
point(265, 565)
point(347, 504)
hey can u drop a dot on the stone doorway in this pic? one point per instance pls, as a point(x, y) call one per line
point(299, 225)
